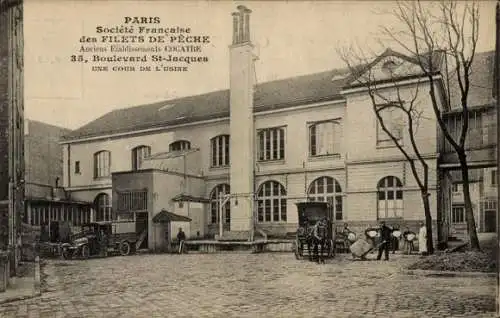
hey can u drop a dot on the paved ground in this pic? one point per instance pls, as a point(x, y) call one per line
point(250, 285)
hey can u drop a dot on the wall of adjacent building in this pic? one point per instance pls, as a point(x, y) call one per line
point(43, 153)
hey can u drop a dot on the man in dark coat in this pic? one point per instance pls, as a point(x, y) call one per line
point(385, 237)
point(181, 237)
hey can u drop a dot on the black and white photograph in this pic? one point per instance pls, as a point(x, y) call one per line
point(249, 158)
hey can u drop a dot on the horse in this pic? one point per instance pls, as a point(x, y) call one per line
point(317, 237)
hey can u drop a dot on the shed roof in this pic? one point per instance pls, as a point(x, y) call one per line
point(164, 217)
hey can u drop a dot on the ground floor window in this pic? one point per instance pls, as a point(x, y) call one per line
point(457, 215)
point(76, 215)
point(217, 193)
point(103, 207)
point(271, 202)
point(390, 197)
point(327, 189)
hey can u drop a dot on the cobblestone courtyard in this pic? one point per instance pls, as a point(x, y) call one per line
point(250, 285)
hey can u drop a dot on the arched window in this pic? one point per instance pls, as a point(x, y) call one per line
point(102, 163)
point(220, 151)
point(271, 202)
point(216, 193)
point(390, 197)
point(179, 145)
point(327, 189)
point(103, 207)
point(138, 155)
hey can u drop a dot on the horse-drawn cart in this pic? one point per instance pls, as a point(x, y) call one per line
point(315, 232)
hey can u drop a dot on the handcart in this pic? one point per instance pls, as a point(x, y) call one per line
point(363, 247)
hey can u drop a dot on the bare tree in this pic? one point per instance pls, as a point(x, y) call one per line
point(443, 37)
point(451, 28)
point(389, 96)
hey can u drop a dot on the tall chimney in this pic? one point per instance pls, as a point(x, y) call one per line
point(241, 125)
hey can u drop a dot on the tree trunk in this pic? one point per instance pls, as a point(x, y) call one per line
point(469, 212)
point(428, 221)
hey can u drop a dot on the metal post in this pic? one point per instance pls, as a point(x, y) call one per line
point(497, 95)
point(222, 201)
point(221, 228)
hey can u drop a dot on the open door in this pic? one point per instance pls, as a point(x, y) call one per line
point(141, 229)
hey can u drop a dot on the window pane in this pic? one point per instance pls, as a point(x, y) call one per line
point(338, 189)
point(390, 195)
point(390, 181)
point(276, 210)
point(320, 185)
point(261, 145)
point(282, 143)
point(381, 195)
point(267, 189)
point(312, 188)
point(312, 134)
point(398, 183)
point(260, 211)
point(226, 148)
point(329, 185)
point(283, 210)
point(399, 194)
point(267, 209)
point(338, 203)
point(214, 152)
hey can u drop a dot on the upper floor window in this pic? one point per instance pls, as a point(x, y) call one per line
point(132, 201)
point(271, 202)
point(77, 167)
point(103, 208)
point(390, 197)
point(138, 155)
point(494, 178)
point(393, 121)
point(271, 144)
point(457, 214)
point(179, 145)
point(215, 198)
point(102, 163)
point(324, 138)
point(220, 151)
point(327, 189)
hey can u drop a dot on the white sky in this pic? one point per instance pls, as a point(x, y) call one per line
point(292, 38)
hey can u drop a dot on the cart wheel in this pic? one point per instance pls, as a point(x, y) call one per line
point(85, 252)
point(66, 254)
point(124, 248)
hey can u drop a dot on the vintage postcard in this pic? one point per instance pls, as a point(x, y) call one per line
point(249, 159)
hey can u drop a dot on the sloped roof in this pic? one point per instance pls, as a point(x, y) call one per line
point(272, 95)
point(268, 96)
point(358, 70)
point(164, 216)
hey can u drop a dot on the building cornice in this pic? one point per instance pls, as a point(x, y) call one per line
point(398, 158)
point(381, 85)
point(166, 128)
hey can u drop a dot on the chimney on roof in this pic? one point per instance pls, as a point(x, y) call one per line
point(241, 25)
point(241, 122)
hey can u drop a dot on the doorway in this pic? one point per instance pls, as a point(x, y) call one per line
point(141, 229)
point(490, 221)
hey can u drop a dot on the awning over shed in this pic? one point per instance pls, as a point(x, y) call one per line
point(164, 217)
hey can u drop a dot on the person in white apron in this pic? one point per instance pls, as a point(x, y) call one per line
point(422, 239)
